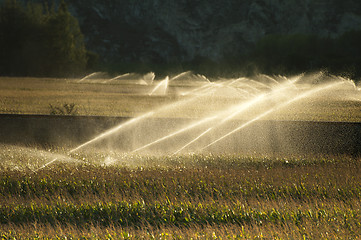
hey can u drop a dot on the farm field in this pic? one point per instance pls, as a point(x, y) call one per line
point(116, 196)
point(94, 192)
point(129, 99)
point(34, 96)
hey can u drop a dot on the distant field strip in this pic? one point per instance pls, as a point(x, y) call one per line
point(122, 98)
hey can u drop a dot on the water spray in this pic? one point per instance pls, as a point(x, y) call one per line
point(252, 94)
point(234, 111)
point(88, 76)
point(162, 85)
point(175, 133)
point(306, 94)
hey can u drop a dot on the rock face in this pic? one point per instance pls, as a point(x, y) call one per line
point(181, 30)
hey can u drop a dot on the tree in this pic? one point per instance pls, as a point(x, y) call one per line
point(13, 30)
point(66, 43)
point(37, 42)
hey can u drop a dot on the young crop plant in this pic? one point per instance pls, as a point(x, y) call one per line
point(190, 196)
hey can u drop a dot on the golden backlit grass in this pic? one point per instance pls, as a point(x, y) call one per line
point(187, 196)
point(121, 98)
point(33, 96)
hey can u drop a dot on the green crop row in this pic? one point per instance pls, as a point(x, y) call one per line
point(180, 197)
point(204, 179)
point(173, 214)
point(153, 188)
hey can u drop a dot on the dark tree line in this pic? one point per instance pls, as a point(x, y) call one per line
point(288, 54)
point(299, 53)
point(284, 54)
point(40, 40)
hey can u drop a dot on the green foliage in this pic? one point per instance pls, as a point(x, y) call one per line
point(178, 214)
point(36, 41)
point(187, 193)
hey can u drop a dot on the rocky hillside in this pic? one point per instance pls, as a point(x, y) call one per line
point(181, 30)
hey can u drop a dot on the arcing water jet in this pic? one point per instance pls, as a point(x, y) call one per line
point(159, 131)
point(282, 105)
point(264, 100)
point(161, 88)
point(234, 111)
point(112, 131)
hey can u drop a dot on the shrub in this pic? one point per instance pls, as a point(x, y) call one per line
point(65, 109)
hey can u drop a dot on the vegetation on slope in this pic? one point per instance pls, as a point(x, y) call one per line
point(42, 40)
